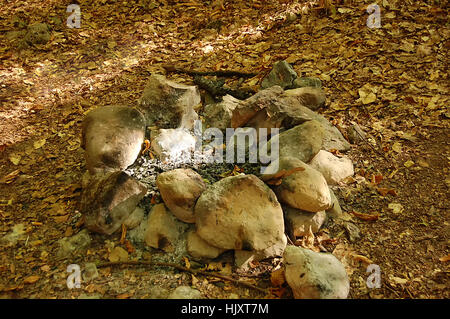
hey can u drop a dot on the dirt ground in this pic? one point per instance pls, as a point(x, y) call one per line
point(391, 81)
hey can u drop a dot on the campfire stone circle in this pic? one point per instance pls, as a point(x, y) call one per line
point(240, 213)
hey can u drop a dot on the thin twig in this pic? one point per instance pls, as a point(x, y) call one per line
point(181, 268)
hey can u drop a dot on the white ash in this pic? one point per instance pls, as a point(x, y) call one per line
point(146, 169)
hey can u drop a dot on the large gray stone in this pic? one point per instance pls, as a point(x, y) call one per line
point(314, 275)
point(109, 199)
point(302, 142)
point(304, 189)
point(239, 212)
point(168, 104)
point(333, 138)
point(270, 108)
point(282, 74)
point(112, 137)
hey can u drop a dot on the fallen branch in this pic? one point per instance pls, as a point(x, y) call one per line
point(181, 268)
point(224, 73)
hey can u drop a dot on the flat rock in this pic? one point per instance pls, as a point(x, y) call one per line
point(168, 104)
point(112, 138)
point(333, 168)
point(109, 199)
point(301, 221)
point(239, 212)
point(198, 248)
point(180, 188)
point(305, 189)
point(163, 230)
point(314, 275)
point(275, 108)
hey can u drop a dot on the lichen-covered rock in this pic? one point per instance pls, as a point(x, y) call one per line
point(37, 33)
point(112, 137)
point(304, 189)
point(167, 104)
point(180, 188)
point(109, 199)
point(239, 212)
point(282, 74)
point(314, 275)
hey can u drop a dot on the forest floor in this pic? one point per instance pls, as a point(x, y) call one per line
point(391, 81)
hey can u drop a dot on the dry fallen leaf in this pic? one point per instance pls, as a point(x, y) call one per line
point(38, 144)
point(277, 277)
point(277, 178)
point(278, 292)
point(365, 216)
point(386, 191)
point(445, 258)
point(31, 279)
point(10, 177)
